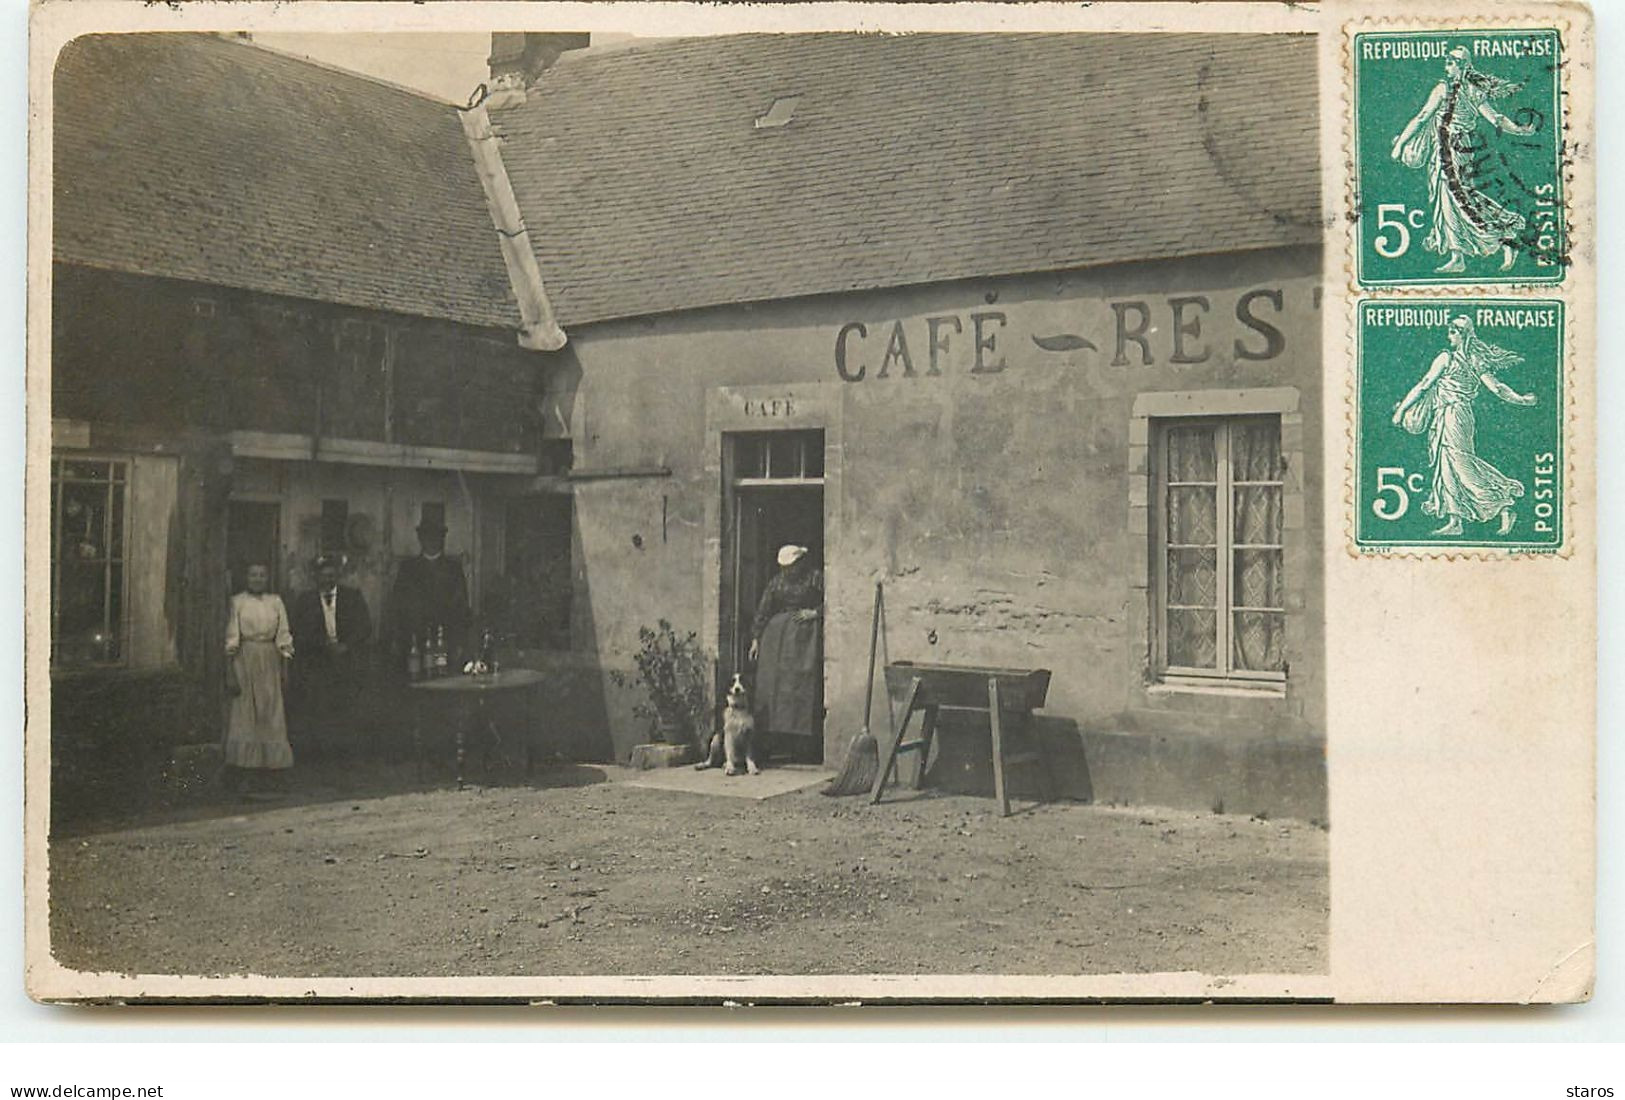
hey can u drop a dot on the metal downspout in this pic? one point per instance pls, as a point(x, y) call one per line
point(540, 330)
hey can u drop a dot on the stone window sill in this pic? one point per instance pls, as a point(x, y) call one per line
point(1244, 689)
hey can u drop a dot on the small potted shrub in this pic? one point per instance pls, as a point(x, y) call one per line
point(673, 672)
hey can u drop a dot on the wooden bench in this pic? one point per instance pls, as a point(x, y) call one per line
point(1003, 693)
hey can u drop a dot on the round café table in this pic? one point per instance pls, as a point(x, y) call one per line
point(473, 695)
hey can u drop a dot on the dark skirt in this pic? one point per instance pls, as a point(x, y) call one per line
point(789, 676)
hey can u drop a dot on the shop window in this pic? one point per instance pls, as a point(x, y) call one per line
point(1218, 551)
point(89, 498)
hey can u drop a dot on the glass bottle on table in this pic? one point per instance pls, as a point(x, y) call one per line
point(414, 660)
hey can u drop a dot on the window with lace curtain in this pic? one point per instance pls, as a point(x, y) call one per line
point(1220, 605)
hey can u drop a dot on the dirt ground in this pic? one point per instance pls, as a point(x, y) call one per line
point(578, 873)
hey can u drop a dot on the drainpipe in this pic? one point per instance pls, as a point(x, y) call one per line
point(539, 330)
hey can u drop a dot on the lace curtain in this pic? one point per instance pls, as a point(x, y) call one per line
point(1204, 464)
point(1193, 550)
point(1255, 593)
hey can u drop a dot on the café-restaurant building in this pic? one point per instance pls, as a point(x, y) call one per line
point(1023, 327)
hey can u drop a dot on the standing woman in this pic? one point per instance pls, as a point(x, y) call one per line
point(787, 648)
point(258, 648)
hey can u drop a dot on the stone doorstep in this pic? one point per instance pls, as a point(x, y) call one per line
point(656, 755)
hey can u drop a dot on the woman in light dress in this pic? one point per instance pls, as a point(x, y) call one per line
point(1444, 139)
point(259, 646)
point(1464, 487)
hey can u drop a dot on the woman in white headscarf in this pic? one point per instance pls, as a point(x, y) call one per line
point(1464, 487)
point(786, 645)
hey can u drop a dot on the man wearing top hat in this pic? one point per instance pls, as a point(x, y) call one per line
point(431, 596)
point(331, 625)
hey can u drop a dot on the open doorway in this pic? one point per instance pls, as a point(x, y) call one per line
point(254, 535)
point(774, 496)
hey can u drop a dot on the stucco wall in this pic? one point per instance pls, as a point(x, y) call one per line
point(989, 481)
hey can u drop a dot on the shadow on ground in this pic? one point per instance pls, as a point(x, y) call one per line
point(201, 792)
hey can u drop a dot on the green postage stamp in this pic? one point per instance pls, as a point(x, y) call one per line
point(1458, 435)
point(1458, 147)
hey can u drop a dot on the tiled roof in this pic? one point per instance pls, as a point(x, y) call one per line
point(201, 158)
point(648, 187)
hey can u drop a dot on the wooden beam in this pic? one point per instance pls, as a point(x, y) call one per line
point(605, 472)
point(550, 483)
point(366, 452)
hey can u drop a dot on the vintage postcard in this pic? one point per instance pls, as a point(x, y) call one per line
point(884, 503)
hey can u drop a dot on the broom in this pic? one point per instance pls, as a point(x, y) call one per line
point(863, 755)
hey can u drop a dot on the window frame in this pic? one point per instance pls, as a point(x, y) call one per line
point(808, 443)
point(121, 629)
point(1224, 674)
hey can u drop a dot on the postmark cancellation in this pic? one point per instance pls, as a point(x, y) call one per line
point(1458, 156)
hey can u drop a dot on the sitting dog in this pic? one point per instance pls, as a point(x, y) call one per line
point(734, 742)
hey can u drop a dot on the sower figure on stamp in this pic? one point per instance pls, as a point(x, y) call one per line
point(1443, 138)
point(331, 628)
point(1464, 486)
point(430, 598)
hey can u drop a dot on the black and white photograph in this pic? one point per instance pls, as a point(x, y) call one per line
point(576, 504)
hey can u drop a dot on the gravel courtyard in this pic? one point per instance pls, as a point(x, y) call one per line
point(581, 873)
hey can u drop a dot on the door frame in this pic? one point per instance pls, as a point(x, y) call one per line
point(765, 408)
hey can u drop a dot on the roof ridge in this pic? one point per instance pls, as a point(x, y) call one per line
point(316, 63)
point(632, 44)
point(680, 42)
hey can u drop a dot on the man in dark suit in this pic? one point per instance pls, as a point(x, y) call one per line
point(431, 597)
point(331, 628)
